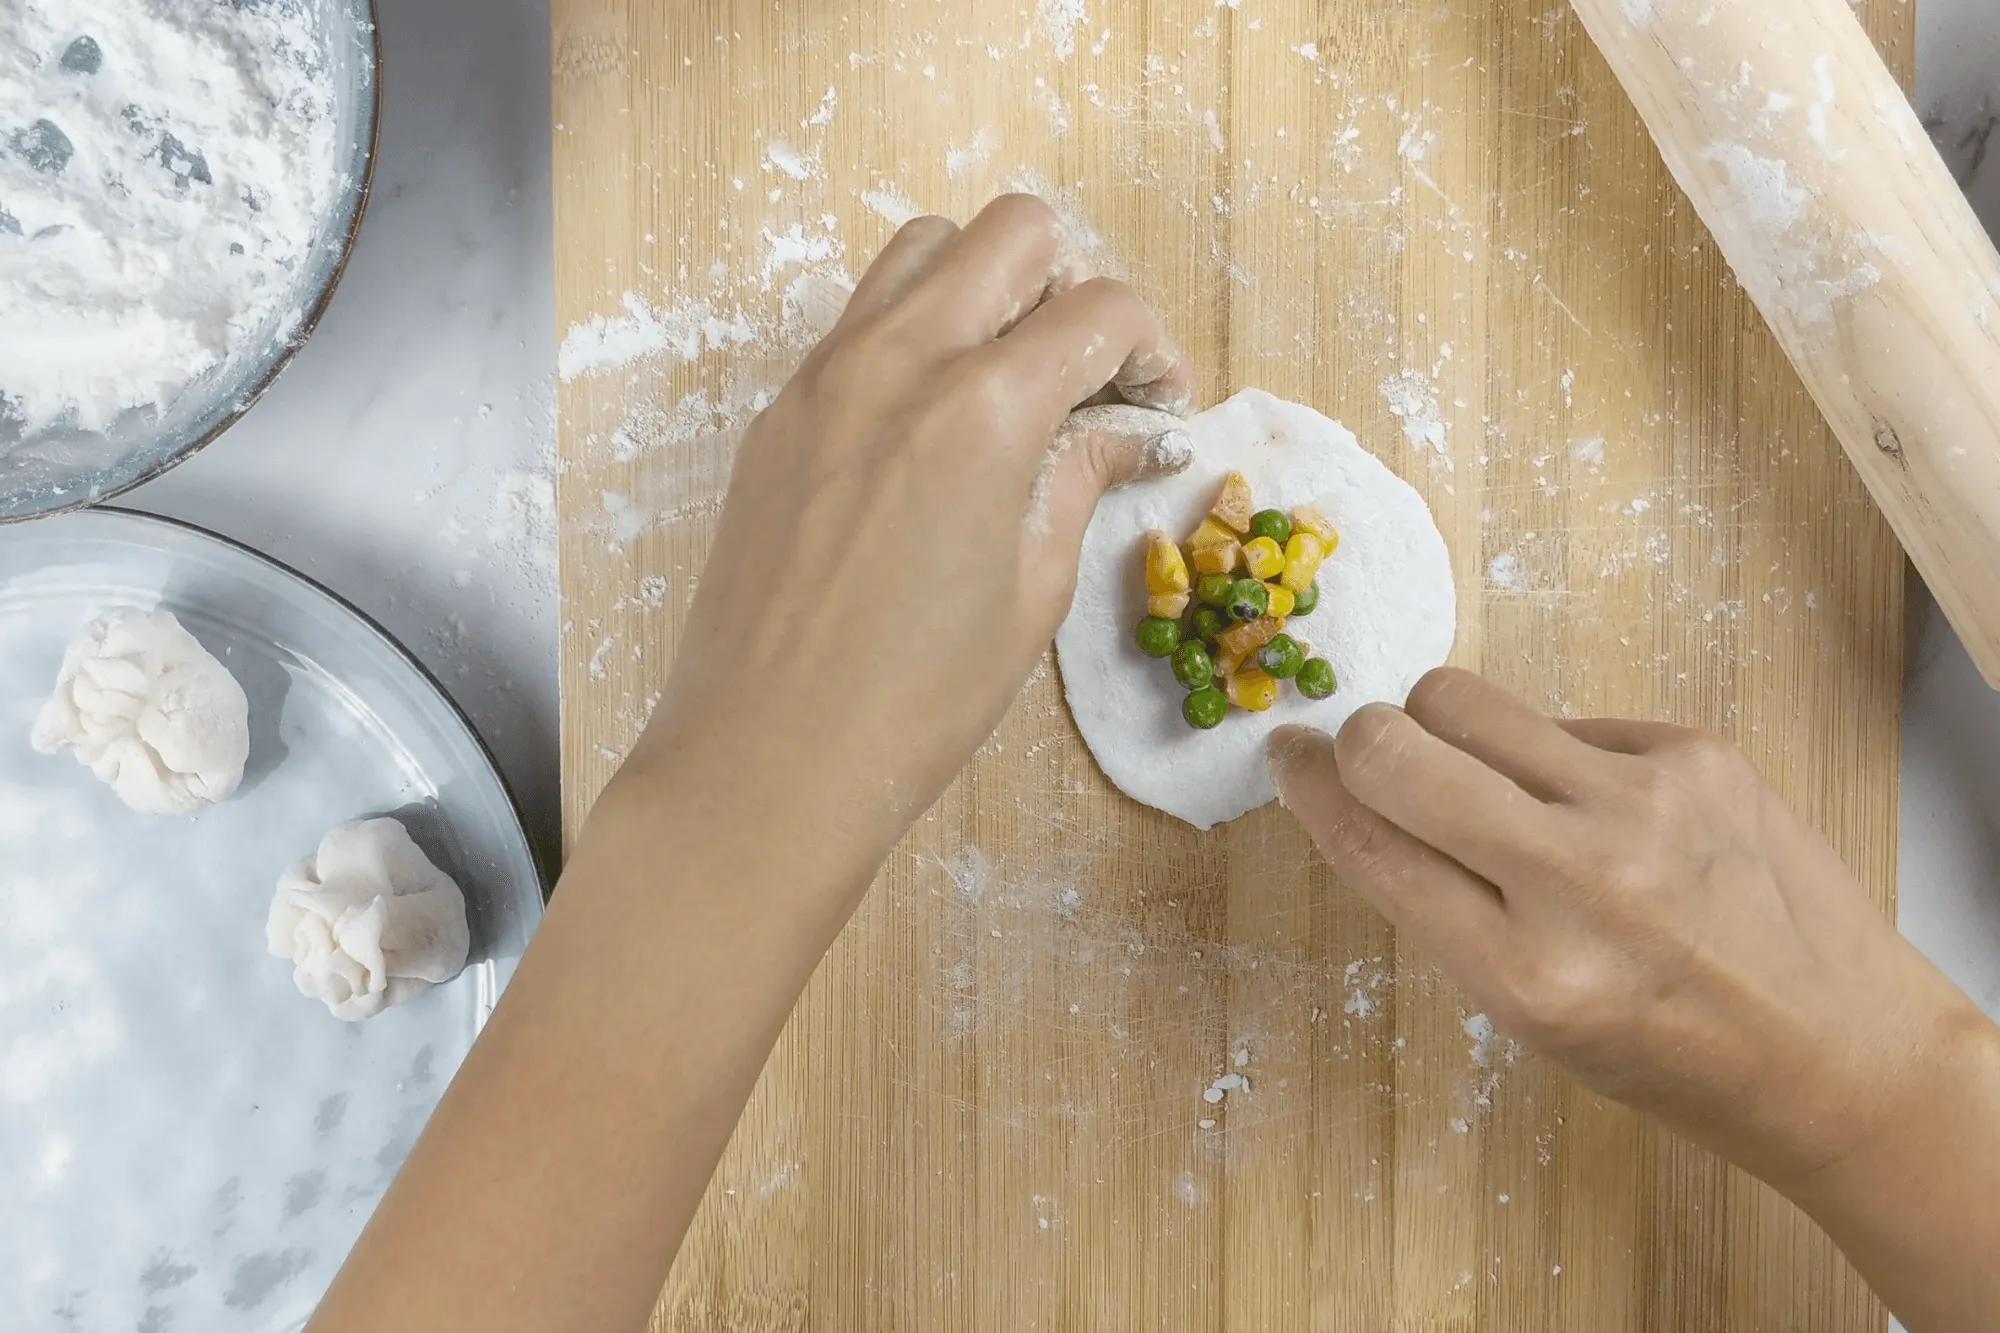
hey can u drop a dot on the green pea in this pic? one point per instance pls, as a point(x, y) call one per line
point(1315, 678)
point(1281, 657)
point(1271, 523)
point(1205, 708)
point(1305, 602)
point(1248, 599)
point(1158, 636)
point(1213, 589)
point(1206, 623)
point(1192, 666)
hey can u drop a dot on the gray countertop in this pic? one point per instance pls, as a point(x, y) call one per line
point(405, 459)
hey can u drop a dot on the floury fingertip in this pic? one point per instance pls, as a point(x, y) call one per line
point(1292, 746)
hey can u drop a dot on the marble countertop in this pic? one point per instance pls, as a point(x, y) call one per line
point(405, 458)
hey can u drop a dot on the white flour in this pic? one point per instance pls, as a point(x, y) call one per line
point(1414, 402)
point(1388, 608)
point(163, 168)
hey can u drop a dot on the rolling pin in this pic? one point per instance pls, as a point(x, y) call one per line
point(1807, 163)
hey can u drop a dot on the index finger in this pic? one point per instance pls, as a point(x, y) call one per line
point(1455, 914)
point(986, 276)
point(1437, 792)
point(1096, 334)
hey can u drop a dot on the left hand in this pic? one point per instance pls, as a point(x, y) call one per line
point(900, 536)
point(1633, 900)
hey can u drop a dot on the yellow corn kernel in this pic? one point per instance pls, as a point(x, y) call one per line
point(1303, 554)
point(1253, 689)
point(1308, 519)
point(1246, 639)
point(1226, 662)
point(1166, 571)
point(1263, 558)
point(1167, 605)
point(1218, 559)
point(1212, 532)
point(1234, 506)
point(1282, 599)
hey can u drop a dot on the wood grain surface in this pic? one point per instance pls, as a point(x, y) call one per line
point(989, 1109)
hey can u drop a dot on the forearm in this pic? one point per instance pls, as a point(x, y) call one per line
point(1917, 1208)
point(558, 1175)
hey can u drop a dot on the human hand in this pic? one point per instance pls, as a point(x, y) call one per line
point(1632, 900)
point(900, 538)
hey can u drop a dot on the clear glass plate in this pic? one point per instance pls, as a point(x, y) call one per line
point(186, 1142)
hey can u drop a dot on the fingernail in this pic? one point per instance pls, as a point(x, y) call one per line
point(1164, 455)
point(1159, 396)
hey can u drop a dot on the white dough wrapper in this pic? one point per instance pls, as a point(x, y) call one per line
point(368, 921)
point(1388, 610)
point(150, 711)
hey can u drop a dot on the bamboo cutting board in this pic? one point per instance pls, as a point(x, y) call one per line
point(998, 1105)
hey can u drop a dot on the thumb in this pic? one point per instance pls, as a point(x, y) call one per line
point(1093, 451)
point(1097, 449)
point(1418, 888)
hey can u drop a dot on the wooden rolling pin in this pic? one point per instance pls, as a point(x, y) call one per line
point(1808, 164)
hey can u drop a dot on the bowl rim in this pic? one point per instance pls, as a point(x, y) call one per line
point(307, 324)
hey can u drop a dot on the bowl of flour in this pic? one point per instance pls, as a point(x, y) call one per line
point(180, 184)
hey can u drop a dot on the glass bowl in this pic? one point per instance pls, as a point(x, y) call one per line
point(63, 468)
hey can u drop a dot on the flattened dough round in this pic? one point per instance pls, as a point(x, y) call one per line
point(1387, 612)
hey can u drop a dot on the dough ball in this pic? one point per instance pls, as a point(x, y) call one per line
point(1388, 609)
point(368, 921)
point(150, 711)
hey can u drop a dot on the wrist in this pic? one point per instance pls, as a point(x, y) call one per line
point(1916, 1113)
point(745, 821)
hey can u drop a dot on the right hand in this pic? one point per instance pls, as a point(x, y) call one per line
point(1634, 901)
point(900, 538)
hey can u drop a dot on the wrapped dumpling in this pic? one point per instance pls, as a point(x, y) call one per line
point(368, 921)
point(150, 711)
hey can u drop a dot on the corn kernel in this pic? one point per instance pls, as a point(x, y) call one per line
point(1218, 559)
point(1212, 532)
point(1234, 506)
point(1308, 519)
point(1167, 605)
point(1247, 638)
point(1303, 554)
point(1166, 571)
point(1263, 558)
point(1282, 600)
point(1226, 663)
point(1252, 689)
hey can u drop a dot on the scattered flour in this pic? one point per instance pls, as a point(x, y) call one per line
point(164, 165)
point(1057, 21)
point(1480, 1029)
point(1788, 256)
point(795, 246)
point(523, 516)
point(972, 156)
point(1414, 402)
point(612, 342)
point(784, 158)
point(824, 115)
point(890, 204)
point(1505, 573)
